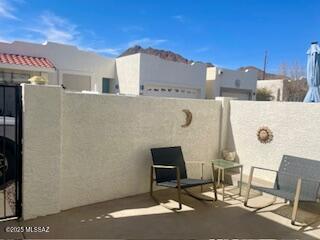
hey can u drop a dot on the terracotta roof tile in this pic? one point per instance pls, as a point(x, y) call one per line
point(25, 60)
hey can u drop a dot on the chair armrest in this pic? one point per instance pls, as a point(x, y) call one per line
point(168, 167)
point(265, 169)
point(164, 166)
point(252, 171)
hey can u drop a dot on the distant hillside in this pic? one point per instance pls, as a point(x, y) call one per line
point(260, 73)
point(167, 55)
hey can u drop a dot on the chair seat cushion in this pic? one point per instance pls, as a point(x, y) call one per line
point(286, 194)
point(184, 183)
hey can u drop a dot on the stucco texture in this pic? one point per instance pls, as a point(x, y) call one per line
point(107, 141)
point(41, 150)
point(86, 148)
point(295, 127)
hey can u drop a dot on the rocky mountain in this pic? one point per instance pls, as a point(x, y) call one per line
point(260, 73)
point(164, 54)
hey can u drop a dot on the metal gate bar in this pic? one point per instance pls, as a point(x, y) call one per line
point(11, 168)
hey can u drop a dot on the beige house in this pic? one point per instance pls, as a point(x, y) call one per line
point(277, 87)
point(231, 83)
point(148, 75)
point(137, 74)
point(16, 68)
point(284, 89)
point(78, 70)
point(63, 64)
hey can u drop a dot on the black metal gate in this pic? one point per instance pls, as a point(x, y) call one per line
point(10, 151)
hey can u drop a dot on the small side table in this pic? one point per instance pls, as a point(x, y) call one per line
point(223, 165)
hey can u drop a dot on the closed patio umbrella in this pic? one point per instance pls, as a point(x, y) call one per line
point(313, 73)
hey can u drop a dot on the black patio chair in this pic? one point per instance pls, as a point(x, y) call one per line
point(170, 171)
point(298, 179)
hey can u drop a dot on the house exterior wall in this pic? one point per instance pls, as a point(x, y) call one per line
point(142, 74)
point(189, 79)
point(295, 127)
point(77, 82)
point(67, 59)
point(138, 74)
point(277, 88)
point(238, 82)
point(87, 155)
point(128, 74)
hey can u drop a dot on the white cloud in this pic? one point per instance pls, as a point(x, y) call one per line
point(7, 10)
point(147, 42)
point(56, 29)
point(49, 27)
point(108, 51)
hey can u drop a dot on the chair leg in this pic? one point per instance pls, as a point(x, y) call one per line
point(151, 182)
point(201, 187)
point(179, 187)
point(296, 202)
point(240, 187)
point(214, 190)
point(249, 186)
point(214, 183)
point(179, 198)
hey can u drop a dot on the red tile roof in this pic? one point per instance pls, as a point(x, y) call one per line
point(25, 60)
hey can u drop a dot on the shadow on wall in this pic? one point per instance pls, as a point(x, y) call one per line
point(230, 139)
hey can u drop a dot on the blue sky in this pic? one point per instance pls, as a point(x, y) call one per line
point(227, 33)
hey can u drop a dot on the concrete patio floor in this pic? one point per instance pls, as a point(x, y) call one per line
point(139, 217)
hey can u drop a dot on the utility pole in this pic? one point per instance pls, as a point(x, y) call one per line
point(265, 64)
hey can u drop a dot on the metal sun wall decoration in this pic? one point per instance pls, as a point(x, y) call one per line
point(264, 135)
point(188, 118)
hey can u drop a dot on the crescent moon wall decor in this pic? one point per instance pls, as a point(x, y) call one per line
point(264, 135)
point(188, 118)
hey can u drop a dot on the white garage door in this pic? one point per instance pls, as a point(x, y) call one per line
point(241, 95)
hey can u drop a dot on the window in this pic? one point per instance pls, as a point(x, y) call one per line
point(106, 85)
point(14, 77)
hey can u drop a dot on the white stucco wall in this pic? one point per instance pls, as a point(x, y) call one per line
point(276, 86)
point(226, 78)
point(41, 150)
point(128, 74)
point(76, 83)
point(295, 127)
point(105, 144)
point(67, 59)
point(162, 73)
point(153, 72)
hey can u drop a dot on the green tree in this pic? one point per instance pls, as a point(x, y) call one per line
point(264, 94)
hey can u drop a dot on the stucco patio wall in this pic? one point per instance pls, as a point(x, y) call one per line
point(86, 148)
point(41, 156)
point(295, 126)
